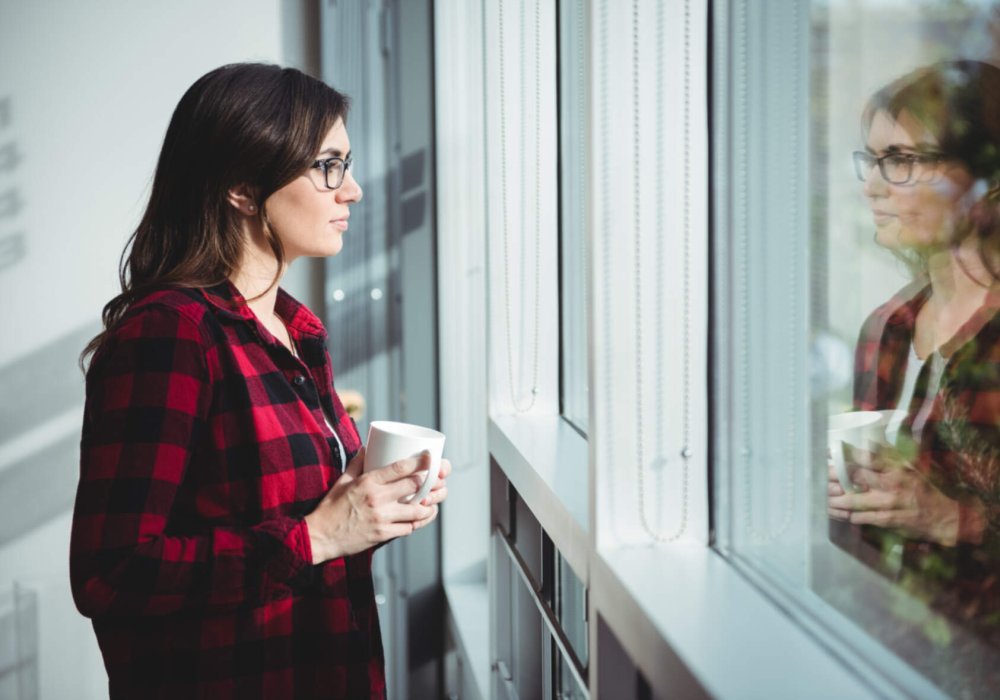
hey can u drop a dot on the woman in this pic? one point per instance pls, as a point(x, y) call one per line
point(223, 529)
point(931, 171)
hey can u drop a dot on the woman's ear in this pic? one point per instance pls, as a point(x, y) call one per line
point(242, 199)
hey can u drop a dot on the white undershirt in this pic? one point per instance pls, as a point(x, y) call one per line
point(340, 445)
point(913, 367)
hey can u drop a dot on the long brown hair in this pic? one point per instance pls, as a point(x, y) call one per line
point(243, 124)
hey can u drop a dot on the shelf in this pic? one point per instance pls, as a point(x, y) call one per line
point(546, 461)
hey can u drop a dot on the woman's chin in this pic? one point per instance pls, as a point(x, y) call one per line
point(897, 238)
point(329, 247)
point(890, 236)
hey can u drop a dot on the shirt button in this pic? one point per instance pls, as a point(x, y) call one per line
point(298, 380)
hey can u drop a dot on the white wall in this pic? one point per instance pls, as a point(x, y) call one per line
point(92, 87)
point(89, 89)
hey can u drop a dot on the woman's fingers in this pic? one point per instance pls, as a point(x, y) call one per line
point(895, 480)
point(879, 479)
point(398, 481)
point(410, 482)
point(838, 514)
point(869, 500)
point(426, 521)
point(357, 465)
point(437, 495)
point(445, 469)
point(394, 530)
point(402, 488)
point(401, 469)
point(881, 518)
point(407, 512)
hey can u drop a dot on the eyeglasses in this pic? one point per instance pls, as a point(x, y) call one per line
point(334, 170)
point(896, 168)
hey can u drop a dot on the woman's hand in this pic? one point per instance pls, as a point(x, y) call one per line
point(439, 491)
point(363, 510)
point(895, 496)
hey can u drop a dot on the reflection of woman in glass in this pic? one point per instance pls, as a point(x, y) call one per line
point(931, 173)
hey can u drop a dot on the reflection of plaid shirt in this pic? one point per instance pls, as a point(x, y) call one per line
point(204, 445)
point(959, 448)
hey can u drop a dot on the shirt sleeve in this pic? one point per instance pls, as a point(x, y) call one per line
point(149, 396)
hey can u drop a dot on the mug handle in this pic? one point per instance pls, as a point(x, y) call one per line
point(840, 466)
point(429, 480)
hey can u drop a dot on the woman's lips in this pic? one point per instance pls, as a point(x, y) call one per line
point(340, 224)
point(881, 217)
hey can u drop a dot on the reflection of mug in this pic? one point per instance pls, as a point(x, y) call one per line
point(389, 442)
point(854, 430)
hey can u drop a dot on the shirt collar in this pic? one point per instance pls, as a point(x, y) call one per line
point(228, 300)
point(985, 315)
point(905, 304)
point(903, 308)
point(297, 315)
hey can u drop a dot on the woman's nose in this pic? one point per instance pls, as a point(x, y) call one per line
point(349, 191)
point(875, 185)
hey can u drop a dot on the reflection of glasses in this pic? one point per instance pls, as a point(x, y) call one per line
point(334, 170)
point(896, 168)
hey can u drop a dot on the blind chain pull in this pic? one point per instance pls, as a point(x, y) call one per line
point(686, 452)
point(518, 407)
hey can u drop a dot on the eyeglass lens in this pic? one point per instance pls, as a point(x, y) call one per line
point(334, 173)
point(894, 168)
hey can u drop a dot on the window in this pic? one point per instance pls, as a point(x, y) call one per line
point(521, 160)
point(848, 283)
point(649, 244)
point(573, 173)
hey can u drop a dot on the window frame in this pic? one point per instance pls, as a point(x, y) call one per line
point(703, 632)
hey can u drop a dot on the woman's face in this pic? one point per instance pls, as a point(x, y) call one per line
point(308, 218)
point(922, 213)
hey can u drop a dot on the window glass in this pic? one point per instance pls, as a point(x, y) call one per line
point(857, 186)
point(572, 211)
point(571, 609)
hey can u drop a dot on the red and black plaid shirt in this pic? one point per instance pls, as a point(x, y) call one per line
point(959, 444)
point(204, 446)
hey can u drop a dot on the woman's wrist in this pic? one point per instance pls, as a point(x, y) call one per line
point(972, 521)
point(323, 548)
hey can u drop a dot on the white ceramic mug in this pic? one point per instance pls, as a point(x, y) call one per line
point(389, 441)
point(863, 430)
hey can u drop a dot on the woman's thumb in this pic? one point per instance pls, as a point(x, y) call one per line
point(357, 465)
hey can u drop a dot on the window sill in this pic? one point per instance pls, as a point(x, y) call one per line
point(696, 627)
point(469, 604)
point(546, 461)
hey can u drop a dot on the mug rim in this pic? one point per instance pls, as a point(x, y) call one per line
point(873, 417)
point(406, 430)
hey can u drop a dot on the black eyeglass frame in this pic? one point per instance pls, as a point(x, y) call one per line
point(865, 162)
point(326, 165)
